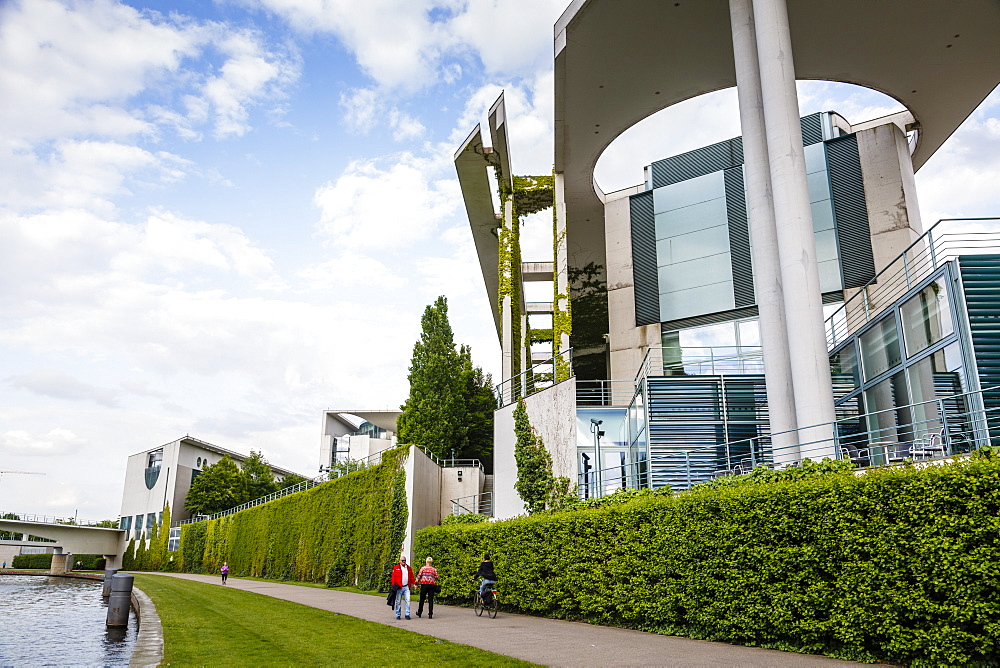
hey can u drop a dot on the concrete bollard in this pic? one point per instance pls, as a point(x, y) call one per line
point(108, 574)
point(120, 601)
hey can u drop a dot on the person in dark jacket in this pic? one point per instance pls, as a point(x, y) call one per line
point(488, 575)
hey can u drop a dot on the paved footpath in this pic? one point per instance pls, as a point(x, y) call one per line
point(550, 642)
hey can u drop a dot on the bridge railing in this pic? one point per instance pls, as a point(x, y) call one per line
point(53, 519)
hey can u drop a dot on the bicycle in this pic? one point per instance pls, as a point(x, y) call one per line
point(490, 603)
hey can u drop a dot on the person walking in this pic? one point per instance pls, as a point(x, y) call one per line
point(488, 575)
point(402, 577)
point(427, 578)
point(225, 571)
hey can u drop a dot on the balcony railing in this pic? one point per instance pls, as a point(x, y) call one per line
point(945, 240)
point(478, 504)
point(539, 377)
point(702, 361)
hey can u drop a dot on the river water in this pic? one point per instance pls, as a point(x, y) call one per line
point(46, 621)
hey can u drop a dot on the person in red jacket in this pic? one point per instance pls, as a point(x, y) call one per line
point(402, 577)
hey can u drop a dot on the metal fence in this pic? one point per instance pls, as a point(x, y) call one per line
point(55, 519)
point(539, 377)
point(926, 431)
point(593, 393)
point(945, 240)
point(702, 361)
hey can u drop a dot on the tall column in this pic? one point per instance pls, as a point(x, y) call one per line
point(507, 308)
point(793, 223)
point(763, 237)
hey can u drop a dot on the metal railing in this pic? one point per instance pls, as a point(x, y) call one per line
point(55, 519)
point(701, 361)
point(339, 469)
point(598, 483)
point(935, 247)
point(592, 393)
point(539, 377)
point(937, 429)
point(481, 504)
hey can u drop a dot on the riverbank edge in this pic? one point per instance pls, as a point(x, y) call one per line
point(148, 649)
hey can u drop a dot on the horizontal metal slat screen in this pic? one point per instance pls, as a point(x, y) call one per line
point(705, 160)
point(850, 212)
point(644, 274)
point(739, 238)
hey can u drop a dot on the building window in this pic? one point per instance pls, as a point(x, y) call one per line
point(199, 462)
point(844, 371)
point(880, 348)
point(926, 318)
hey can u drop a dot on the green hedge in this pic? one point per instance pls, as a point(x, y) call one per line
point(346, 531)
point(895, 565)
point(32, 561)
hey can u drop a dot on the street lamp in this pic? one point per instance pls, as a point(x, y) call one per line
point(595, 429)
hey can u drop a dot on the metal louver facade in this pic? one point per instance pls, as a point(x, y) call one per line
point(646, 280)
point(847, 189)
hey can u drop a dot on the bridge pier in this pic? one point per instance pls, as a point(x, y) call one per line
point(58, 562)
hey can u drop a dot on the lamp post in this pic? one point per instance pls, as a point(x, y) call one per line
point(595, 429)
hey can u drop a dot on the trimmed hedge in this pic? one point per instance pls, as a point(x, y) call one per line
point(32, 561)
point(346, 531)
point(899, 564)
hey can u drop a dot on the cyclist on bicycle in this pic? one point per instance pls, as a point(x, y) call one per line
point(489, 578)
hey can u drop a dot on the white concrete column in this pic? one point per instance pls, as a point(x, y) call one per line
point(793, 223)
point(507, 315)
point(763, 237)
point(560, 259)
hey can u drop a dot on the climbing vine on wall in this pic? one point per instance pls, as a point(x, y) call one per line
point(343, 532)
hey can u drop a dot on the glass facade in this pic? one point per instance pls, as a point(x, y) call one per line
point(926, 318)
point(731, 347)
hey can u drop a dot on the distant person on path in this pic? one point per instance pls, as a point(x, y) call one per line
point(5, 565)
point(488, 575)
point(427, 578)
point(402, 577)
point(225, 571)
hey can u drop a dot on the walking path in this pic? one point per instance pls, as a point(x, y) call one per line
point(550, 642)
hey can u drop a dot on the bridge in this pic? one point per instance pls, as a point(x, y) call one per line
point(70, 539)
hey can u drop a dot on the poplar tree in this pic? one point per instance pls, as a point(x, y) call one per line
point(435, 415)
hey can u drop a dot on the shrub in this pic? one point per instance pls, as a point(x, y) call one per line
point(467, 518)
point(32, 561)
point(895, 565)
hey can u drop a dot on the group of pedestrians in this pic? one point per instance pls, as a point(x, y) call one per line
point(403, 581)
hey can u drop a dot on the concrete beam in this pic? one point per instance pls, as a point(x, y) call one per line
point(537, 272)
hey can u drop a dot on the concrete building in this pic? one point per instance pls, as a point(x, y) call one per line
point(162, 475)
point(741, 249)
point(353, 435)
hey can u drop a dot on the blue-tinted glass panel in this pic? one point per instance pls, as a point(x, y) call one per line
point(815, 158)
point(686, 193)
point(880, 348)
point(829, 276)
point(822, 215)
point(705, 299)
point(694, 245)
point(691, 218)
point(926, 318)
point(819, 186)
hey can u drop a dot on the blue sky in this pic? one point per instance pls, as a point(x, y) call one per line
point(220, 218)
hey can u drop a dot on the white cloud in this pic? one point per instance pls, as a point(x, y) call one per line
point(365, 108)
point(386, 204)
point(55, 442)
point(60, 385)
point(350, 270)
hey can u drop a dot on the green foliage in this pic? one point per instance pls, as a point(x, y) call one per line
point(32, 561)
point(90, 562)
point(107, 524)
point(156, 552)
point(219, 487)
point(128, 559)
point(260, 479)
point(450, 407)
point(141, 560)
point(763, 475)
point(290, 480)
point(896, 565)
point(617, 498)
point(467, 518)
point(589, 320)
point(9, 535)
point(535, 484)
point(346, 527)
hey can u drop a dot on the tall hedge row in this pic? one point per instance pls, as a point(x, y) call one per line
point(346, 525)
point(897, 565)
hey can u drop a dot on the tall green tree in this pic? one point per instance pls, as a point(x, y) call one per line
point(290, 479)
point(535, 484)
point(220, 486)
point(128, 559)
point(435, 414)
point(260, 477)
point(480, 402)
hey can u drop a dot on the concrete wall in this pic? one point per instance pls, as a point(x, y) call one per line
point(423, 495)
point(628, 344)
point(472, 482)
point(552, 413)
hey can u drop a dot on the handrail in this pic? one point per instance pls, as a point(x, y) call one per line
point(559, 368)
point(744, 359)
point(54, 519)
point(920, 259)
point(476, 503)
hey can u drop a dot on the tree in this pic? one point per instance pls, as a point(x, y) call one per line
point(434, 414)
point(480, 402)
point(140, 554)
point(219, 487)
point(7, 535)
point(158, 537)
point(260, 478)
point(128, 559)
point(535, 484)
point(290, 479)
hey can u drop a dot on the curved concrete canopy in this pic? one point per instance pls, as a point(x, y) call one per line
point(619, 61)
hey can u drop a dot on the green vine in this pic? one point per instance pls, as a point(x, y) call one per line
point(562, 318)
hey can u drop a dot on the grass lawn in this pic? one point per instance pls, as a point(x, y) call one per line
point(317, 585)
point(206, 625)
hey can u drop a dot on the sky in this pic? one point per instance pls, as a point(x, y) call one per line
point(222, 218)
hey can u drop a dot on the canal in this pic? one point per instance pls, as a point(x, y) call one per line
point(48, 621)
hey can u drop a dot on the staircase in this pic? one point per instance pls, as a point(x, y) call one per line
point(486, 497)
